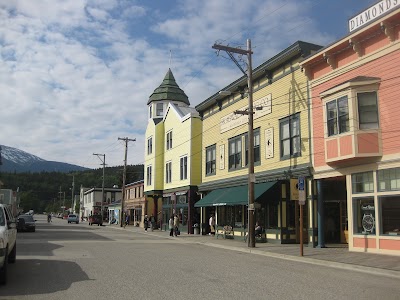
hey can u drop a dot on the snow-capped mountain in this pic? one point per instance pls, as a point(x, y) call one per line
point(18, 156)
point(15, 160)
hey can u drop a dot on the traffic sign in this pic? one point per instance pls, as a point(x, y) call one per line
point(300, 183)
point(302, 192)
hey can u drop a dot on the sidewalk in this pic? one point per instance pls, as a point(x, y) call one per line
point(337, 256)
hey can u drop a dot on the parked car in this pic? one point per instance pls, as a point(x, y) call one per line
point(26, 223)
point(95, 219)
point(8, 241)
point(73, 219)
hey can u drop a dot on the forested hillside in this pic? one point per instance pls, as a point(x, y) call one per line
point(41, 191)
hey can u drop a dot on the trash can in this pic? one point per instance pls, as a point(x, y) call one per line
point(196, 229)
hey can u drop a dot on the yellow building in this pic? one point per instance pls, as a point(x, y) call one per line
point(172, 155)
point(281, 148)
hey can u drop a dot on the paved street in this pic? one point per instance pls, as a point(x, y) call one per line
point(70, 261)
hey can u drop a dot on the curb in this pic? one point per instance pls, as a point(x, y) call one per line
point(306, 260)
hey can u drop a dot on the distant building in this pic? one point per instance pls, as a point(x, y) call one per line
point(90, 200)
point(9, 197)
point(135, 202)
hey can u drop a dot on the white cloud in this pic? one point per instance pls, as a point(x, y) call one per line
point(77, 74)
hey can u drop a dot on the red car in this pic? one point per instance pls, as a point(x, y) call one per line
point(95, 219)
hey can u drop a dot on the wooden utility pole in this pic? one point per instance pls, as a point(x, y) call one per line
point(249, 112)
point(103, 162)
point(121, 216)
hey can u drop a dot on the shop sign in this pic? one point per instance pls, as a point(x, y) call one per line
point(372, 13)
point(294, 192)
point(233, 120)
point(269, 143)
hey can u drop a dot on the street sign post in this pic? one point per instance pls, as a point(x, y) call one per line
point(302, 192)
point(302, 201)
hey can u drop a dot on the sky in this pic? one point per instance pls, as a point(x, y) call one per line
point(76, 75)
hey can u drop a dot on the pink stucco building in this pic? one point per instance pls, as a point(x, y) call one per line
point(354, 90)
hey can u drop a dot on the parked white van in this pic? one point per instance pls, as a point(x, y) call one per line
point(8, 241)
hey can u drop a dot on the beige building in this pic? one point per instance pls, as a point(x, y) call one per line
point(172, 155)
point(281, 148)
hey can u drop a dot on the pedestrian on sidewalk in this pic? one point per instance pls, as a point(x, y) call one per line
point(211, 222)
point(126, 220)
point(146, 222)
point(176, 225)
point(152, 222)
point(171, 226)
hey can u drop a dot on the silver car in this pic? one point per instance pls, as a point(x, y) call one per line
point(73, 219)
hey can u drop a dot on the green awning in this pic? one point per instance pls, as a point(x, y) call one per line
point(237, 195)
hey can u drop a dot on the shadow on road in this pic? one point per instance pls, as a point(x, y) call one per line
point(33, 276)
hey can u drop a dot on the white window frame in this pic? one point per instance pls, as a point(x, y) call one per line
point(169, 140)
point(292, 138)
point(150, 145)
point(237, 154)
point(149, 171)
point(168, 172)
point(159, 112)
point(183, 167)
point(211, 163)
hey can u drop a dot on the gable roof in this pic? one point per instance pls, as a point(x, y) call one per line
point(183, 112)
point(169, 90)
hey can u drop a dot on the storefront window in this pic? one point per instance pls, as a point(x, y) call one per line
point(390, 214)
point(138, 214)
point(362, 182)
point(230, 215)
point(389, 180)
point(364, 216)
point(272, 211)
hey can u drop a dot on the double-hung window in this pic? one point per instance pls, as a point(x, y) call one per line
point(169, 140)
point(183, 167)
point(290, 137)
point(235, 153)
point(148, 175)
point(368, 110)
point(150, 145)
point(210, 160)
point(256, 147)
point(337, 112)
point(168, 172)
point(159, 109)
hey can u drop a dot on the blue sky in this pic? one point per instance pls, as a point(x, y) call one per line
point(76, 74)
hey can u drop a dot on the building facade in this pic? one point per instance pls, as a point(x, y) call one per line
point(135, 202)
point(281, 149)
point(90, 200)
point(172, 155)
point(356, 157)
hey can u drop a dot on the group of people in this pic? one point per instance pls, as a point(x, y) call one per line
point(173, 225)
point(149, 222)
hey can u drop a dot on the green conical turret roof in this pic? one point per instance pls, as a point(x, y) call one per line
point(169, 90)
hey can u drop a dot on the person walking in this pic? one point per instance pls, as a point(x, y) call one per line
point(152, 222)
point(126, 220)
point(171, 226)
point(211, 222)
point(146, 222)
point(176, 225)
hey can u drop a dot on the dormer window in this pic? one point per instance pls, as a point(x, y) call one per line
point(159, 109)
